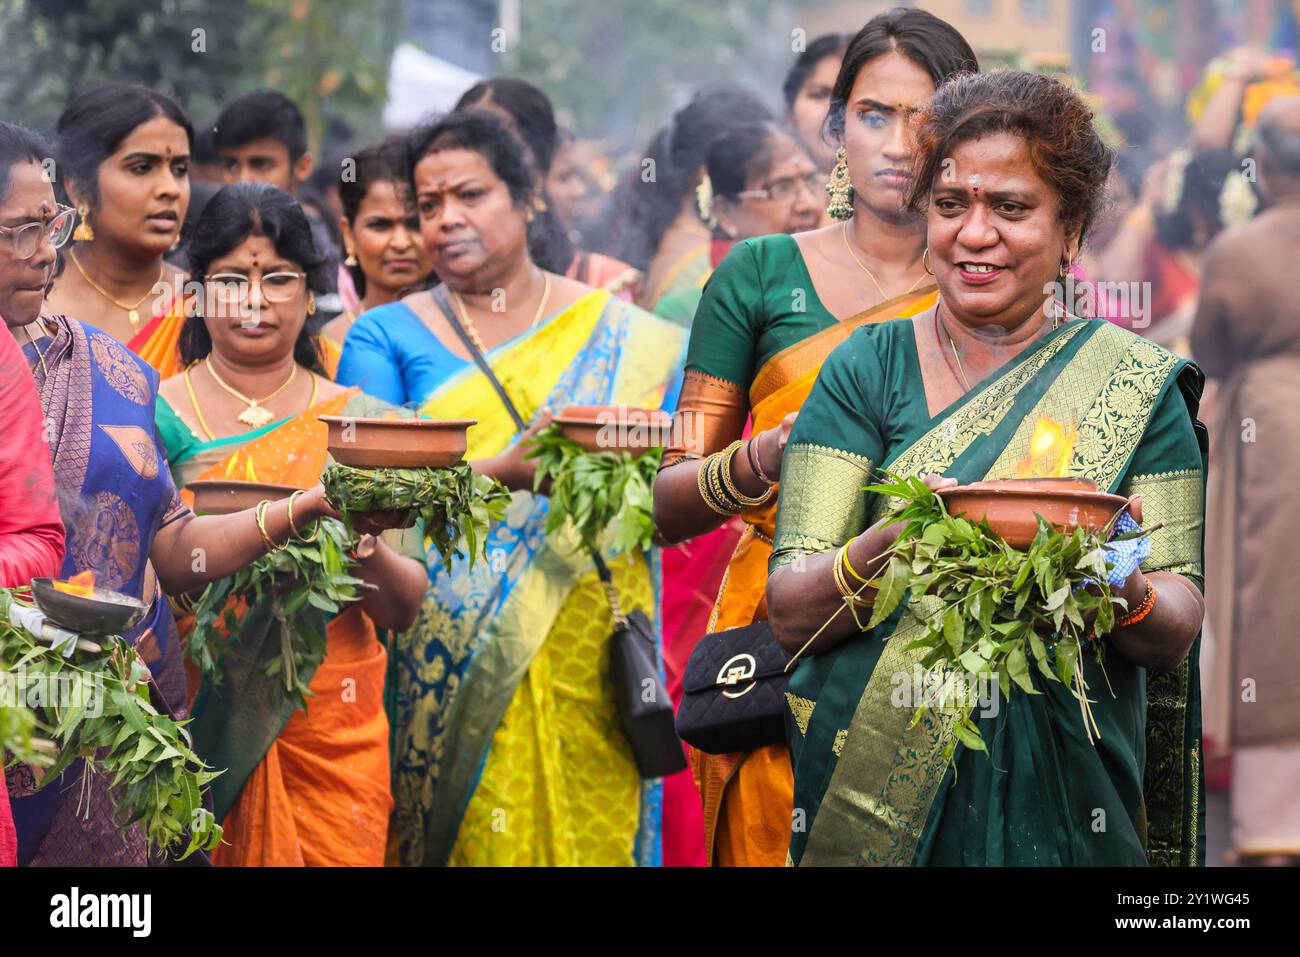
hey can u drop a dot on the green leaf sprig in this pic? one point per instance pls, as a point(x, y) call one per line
point(455, 505)
point(597, 491)
point(299, 586)
point(1002, 610)
point(96, 706)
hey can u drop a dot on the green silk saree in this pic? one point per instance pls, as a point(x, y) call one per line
point(871, 787)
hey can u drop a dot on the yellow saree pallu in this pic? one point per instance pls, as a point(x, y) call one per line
point(509, 750)
point(749, 797)
point(320, 792)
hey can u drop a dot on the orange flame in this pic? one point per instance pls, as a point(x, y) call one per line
point(82, 584)
point(1051, 446)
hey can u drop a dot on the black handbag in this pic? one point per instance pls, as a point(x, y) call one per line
point(644, 708)
point(734, 691)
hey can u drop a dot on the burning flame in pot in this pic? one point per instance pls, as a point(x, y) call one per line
point(82, 585)
point(1051, 446)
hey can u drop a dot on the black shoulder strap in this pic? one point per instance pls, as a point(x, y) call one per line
point(439, 293)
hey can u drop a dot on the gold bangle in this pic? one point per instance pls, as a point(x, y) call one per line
point(848, 565)
point(259, 515)
point(706, 493)
point(846, 591)
point(293, 528)
point(745, 500)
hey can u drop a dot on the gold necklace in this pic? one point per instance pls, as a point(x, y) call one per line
point(35, 348)
point(132, 311)
point(473, 330)
point(863, 266)
point(256, 415)
point(965, 382)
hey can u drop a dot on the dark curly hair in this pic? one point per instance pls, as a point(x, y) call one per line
point(248, 209)
point(1054, 121)
point(932, 44)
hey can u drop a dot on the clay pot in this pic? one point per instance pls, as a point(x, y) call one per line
point(615, 428)
point(1010, 506)
point(397, 443)
point(223, 496)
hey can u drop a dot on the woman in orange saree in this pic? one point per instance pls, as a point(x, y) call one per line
point(124, 153)
point(300, 788)
point(770, 314)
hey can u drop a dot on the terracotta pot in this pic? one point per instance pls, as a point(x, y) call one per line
point(1010, 506)
point(223, 496)
point(397, 443)
point(615, 428)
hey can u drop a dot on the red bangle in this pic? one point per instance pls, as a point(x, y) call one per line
point(1143, 609)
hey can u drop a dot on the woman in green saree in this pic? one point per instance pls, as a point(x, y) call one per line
point(1010, 174)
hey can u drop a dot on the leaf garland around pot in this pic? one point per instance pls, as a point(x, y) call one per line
point(95, 705)
point(1001, 611)
point(455, 506)
point(597, 491)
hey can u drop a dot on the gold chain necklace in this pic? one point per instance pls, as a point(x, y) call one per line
point(256, 415)
point(132, 311)
point(35, 348)
point(870, 275)
point(473, 330)
point(964, 382)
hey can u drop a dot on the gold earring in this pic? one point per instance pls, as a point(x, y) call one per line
point(311, 304)
point(351, 260)
point(925, 261)
point(83, 233)
point(839, 189)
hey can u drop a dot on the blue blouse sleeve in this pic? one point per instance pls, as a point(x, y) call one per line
point(371, 359)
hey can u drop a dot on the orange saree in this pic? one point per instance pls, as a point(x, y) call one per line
point(320, 795)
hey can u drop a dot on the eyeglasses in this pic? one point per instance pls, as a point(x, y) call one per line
point(785, 190)
point(27, 238)
point(276, 286)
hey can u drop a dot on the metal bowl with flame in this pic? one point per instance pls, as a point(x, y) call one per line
point(1011, 506)
point(87, 610)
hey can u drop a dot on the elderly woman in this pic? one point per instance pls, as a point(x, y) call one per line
point(507, 672)
point(1011, 171)
point(125, 521)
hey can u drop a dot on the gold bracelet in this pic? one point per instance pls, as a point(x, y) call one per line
point(849, 566)
point(847, 593)
point(293, 529)
point(706, 493)
point(745, 500)
point(259, 515)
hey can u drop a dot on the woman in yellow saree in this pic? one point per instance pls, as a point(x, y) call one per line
point(771, 314)
point(968, 391)
point(508, 747)
point(300, 788)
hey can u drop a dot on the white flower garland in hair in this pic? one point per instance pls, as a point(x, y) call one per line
point(1237, 201)
point(1174, 179)
point(704, 200)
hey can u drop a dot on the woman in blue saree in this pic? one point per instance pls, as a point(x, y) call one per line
point(507, 744)
point(1010, 174)
point(123, 517)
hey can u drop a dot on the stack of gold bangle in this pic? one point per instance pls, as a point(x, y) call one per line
point(719, 490)
point(840, 570)
point(259, 515)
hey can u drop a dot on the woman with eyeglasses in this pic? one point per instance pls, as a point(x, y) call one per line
point(301, 788)
point(123, 516)
point(759, 181)
point(771, 313)
point(123, 160)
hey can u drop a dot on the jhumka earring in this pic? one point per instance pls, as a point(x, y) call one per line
point(351, 260)
point(839, 189)
point(83, 233)
point(311, 304)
